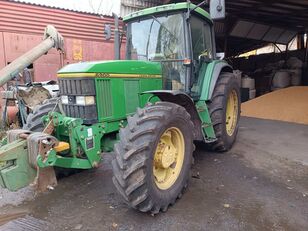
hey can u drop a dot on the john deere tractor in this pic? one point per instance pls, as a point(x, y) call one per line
point(148, 110)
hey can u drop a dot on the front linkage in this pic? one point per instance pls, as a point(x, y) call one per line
point(29, 157)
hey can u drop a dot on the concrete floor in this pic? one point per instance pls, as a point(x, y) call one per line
point(261, 184)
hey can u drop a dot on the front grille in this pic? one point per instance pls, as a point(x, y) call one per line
point(104, 103)
point(73, 87)
point(87, 113)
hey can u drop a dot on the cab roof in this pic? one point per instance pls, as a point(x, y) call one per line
point(167, 8)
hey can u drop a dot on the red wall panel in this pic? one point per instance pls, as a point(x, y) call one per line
point(33, 19)
point(2, 54)
point(22, 27)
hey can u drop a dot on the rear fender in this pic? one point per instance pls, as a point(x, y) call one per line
point(211, 76)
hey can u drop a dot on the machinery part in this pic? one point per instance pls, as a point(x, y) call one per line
point(157, 141)
point(39, 144)
point(13, 135)
point(34, 120)
point(34, 123)
point(33, 96)
point(224, 109)
point(15, 170)
point(52, 39)
point(18, 160)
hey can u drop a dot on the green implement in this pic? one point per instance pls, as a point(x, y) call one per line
point(15, 169)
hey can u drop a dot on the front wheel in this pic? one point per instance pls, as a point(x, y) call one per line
point(154, 156)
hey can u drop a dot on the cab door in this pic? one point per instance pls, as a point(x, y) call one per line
point(202, 49)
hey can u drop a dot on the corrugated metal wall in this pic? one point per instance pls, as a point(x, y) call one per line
point(22, 27)
point(100, 7)
point(129, 6)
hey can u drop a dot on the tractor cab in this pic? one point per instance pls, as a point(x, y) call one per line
point(180, 39)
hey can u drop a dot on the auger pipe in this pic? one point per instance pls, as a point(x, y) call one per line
point(52, 39)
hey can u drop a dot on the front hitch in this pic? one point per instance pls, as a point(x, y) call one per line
point(18, 158)
point(15, 170)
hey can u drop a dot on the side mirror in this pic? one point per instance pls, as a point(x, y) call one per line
point(217, 9)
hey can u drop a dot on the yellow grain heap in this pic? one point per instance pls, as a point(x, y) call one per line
point(288, 104)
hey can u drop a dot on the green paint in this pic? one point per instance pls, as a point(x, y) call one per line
point(131, 87)
point(207, 126)
point(114, 67)
point(116, 98)
point(15, 170)
point(3, 141)
point(207, 80)
point(85, 143)
point(167, 8)
point(63, 162)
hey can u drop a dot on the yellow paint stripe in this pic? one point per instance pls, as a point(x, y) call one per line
point(72, 75)
point(106, 75)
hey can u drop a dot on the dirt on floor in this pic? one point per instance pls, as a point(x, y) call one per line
point(288, 104)
point(242, 189)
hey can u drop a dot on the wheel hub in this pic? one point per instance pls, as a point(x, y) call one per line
point(168, 158)
point(165, 153)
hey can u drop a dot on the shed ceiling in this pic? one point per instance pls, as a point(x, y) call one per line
point(252, 23)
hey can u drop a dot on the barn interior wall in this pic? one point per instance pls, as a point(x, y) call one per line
point(254, 62)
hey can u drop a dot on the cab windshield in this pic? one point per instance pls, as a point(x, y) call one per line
point(160, 39)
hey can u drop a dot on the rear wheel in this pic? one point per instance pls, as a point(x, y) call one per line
point(154, 156)
point(224, 110)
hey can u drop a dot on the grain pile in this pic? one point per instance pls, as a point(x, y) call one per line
point(288, 104)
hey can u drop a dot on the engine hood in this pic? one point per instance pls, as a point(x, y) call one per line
point(114, 67)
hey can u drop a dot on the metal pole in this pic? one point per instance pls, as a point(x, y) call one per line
point(116, 37)
point(306, 51)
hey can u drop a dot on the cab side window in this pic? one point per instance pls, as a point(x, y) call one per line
point(201, 38)
point(202, 46)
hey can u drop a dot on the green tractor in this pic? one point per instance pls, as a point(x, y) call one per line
point(148, 110)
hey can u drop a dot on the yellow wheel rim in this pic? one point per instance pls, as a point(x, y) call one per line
point(168, 158)
point(231, 112)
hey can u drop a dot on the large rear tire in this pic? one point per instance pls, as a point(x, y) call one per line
point(153, 157)
point(224, 110)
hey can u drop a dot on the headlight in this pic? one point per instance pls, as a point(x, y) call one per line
point(85, 100)
point(64, 99)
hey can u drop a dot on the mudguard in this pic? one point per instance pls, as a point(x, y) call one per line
point(212, 73)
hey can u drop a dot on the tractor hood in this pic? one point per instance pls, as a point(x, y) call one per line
point(114, 67)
